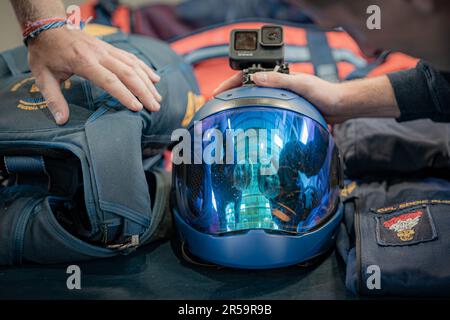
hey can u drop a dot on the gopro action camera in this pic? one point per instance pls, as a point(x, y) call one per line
point(254, 50)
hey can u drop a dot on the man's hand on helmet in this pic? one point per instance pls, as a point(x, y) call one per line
point(336, 101)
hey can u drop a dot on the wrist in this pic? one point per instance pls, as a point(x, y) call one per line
point(35, 29)
point(47, 36)
point(341, 99)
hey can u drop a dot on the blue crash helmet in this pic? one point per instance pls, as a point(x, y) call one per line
point(260, 187)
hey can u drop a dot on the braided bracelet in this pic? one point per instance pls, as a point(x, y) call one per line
point(33, 29)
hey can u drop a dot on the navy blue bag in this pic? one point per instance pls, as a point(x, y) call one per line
point(401, 230)
point(395, 235)
point(87, 189)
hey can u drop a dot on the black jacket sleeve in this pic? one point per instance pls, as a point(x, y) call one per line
point(422, 92)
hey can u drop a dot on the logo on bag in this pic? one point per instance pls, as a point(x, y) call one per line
point(194, 103)
point(404, 225)
point(348, 189)
point(34, 101)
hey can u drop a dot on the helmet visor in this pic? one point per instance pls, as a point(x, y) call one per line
point(256, 168)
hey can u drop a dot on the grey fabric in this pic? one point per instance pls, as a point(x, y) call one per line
point(382, 148)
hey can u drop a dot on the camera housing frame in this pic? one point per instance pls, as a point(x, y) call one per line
point(267, 53)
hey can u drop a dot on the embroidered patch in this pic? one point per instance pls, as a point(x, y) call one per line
point(33, 99)
point(408, 204)
point(348, 189)
point(194, 103)
point(405, 228)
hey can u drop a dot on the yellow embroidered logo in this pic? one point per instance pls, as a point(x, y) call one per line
point(194, 103)
point(409, 204)
point(35, 101)
point(348, 189)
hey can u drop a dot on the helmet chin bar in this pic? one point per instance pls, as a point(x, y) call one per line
point(258, 249)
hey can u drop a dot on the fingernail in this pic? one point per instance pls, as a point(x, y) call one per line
point(137, 105)
point(158, 77)
point(158, 97)
point(58, 117)
point(156, 106)
point(261, 77)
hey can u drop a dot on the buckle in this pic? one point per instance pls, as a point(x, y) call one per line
point(131, 244)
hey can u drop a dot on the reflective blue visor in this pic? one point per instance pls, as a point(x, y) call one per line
point(261, 168)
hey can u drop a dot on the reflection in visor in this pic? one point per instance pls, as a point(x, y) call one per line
point(283, 178)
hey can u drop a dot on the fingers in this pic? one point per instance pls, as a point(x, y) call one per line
point(51, 91)
point(147, 75)
point(150, 72)
point(136, 81)
point(233, 82)
point(262, 79)
point(109, 82)
point(123, 76)
point(273, 80)
point(130, 58)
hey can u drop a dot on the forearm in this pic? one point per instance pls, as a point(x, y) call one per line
point(372, 97)
point(32, 10)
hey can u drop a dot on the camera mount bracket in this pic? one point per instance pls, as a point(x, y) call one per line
point(247, 73)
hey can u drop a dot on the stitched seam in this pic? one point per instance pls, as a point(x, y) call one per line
point(128, 213)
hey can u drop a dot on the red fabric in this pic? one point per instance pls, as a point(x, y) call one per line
point(87, 9)
point(121, 19)
point(212, 72)
point(221, 35)
point(396, 61)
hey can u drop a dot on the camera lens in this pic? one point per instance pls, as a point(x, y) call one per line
point(272, 36)
point(245, 40)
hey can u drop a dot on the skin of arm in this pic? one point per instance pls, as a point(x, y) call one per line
point(373, 97)
point(57, 54)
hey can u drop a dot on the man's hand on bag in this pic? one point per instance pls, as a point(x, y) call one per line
point(57, 54)
point(336, 101)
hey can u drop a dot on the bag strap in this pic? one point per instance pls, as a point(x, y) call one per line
point(29, 170)
point(321, 56)
point(364, 71)
point(114, 141)
point(26, 165)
